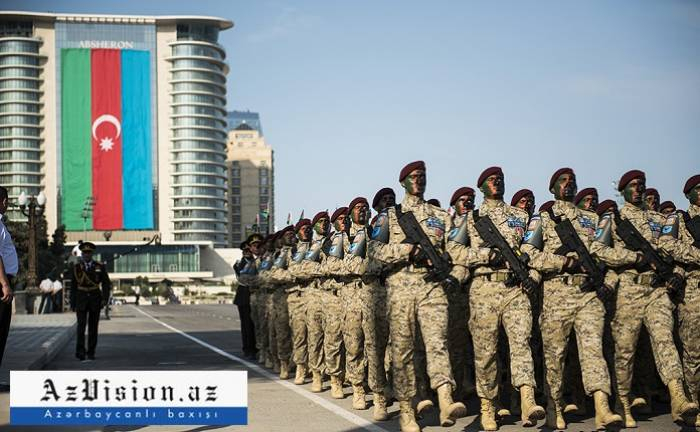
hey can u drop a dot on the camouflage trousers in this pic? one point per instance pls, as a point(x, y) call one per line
point(414, 302)
point(689, 323)
point(332, 331)
point(492, 303)
point(296, 305)
point(638, 305)
point(375, 326)
point(566, 308)
point(459, 340)
point(279, 325)
point(258, 303)
point(353, 334)
point(314, 327)
point(269, 311)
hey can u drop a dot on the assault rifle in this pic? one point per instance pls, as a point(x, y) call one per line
point(517, 261)
point(441, 265)
point(693, 226)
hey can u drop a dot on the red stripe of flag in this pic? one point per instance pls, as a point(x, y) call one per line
point(106, 139)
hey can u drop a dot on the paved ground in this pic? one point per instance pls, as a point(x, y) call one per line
point(208, 339)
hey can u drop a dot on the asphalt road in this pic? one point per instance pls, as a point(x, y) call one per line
point(206, 337)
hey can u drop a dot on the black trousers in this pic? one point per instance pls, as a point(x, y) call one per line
point(87, 307)
point(247, 329)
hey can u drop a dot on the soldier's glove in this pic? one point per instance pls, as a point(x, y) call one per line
point(642, 264)
point(529, 285)
point(496, 259)
point(572, 266)
point(418, 257)
point(675, 284)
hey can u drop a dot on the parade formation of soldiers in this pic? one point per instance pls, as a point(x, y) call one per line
point(520, 308)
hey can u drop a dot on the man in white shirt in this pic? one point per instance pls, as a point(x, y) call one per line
point(9, 265)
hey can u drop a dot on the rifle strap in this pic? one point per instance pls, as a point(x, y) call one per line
point(475, 215)
point(556, 219)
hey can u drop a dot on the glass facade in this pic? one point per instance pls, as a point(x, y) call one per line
point(20, 111)
point(198, 89)
point(236, 118)
point(153, 259)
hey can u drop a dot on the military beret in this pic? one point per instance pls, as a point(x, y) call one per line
point(302, 223)
point(459, 192)
point(434, 201)
point(606, 206)
point(557, 173)
point(628, 177)
point(380, 194)
point(666, 205)
point(87, 247)
point(319, 215)
point(244, 244)
point(691, 183)
point(488, 172)
point(546, 206)
point(270, 238)
point(284, 230)
point(339, 212)
point(255, 238)
point(357, 201)
point(405, 171)
point(652, 191)
point(520, 194)
point(583, 193)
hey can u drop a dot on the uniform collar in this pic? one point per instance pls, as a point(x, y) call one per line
point(411, 202)
point(565, 208)
point(489, 204)
point(631, 210)
point(693, 210)
point(354, 229)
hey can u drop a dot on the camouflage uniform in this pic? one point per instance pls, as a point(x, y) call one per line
point(492, 303)
point(267, 288)
point(565, 306)
point(637, 302)
point(677, 241)
point(281, 280)
point(413, 301)
point(261, 298)
point(296, 305)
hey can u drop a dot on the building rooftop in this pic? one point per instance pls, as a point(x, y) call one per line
point(101, 18)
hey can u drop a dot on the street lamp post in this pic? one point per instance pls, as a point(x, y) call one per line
point(33, 208)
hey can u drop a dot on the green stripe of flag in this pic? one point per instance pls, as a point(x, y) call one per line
point(76, 144)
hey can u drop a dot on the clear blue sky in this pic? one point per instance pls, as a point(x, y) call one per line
point(351, 91)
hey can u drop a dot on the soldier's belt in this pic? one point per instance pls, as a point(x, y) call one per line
point(86, 288)
point(494, 277)
point(570, 279)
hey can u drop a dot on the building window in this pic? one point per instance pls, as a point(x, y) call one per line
point(236, 218)
point(236, 181)
point(236, 191)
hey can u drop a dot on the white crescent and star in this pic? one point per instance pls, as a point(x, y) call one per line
point(106, 143)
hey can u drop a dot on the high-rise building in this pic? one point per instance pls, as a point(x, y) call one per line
point(236, 118)
point(120, 120)
point(251, 183)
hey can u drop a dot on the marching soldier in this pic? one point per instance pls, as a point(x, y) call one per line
point(296, 303)
point(282, 280)
point(684, 245)
point(524, 199)
point(245, 267)
point(417, 302)
point(569, 302)
point(492, 301)
point(587, 199)
point(642, 298)
point(651, 199)
point(90, 286)
point(667, 208)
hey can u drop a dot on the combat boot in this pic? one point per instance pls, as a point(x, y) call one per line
point(424, 406)
point(603, 416)
point(284, 369)
point(450, 410)
point(501, 411)
point(300, 375)
point(337, 388)
point(554, 417)
point(276, 366)
point(407, 418)
point(625, 410)
point(530, 411)
point(680, 405)
point(268, 362)
point(358, 397)
point(317, 382)
point(379, 413)
point(488, 415)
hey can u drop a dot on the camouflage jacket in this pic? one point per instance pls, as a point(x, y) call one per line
point(677, 241)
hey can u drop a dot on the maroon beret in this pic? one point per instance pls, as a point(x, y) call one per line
point(411, 167)
point(520, 194)
point(667, 204)
point(319, 215)
point(557, 173)
point(546, 206)
point(606, 206)
point(357, 201)
point(302, 223)
point(652, 191)
point(584, 193)
point(284, 230)
point(380, 194)
point(340, 211)
point(270, 238)
point(628, 177)
point(466, 190)
point(691, 183)
point(434, 201)
point(488, 172)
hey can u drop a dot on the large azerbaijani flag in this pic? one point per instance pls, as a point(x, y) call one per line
point(106, 138)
